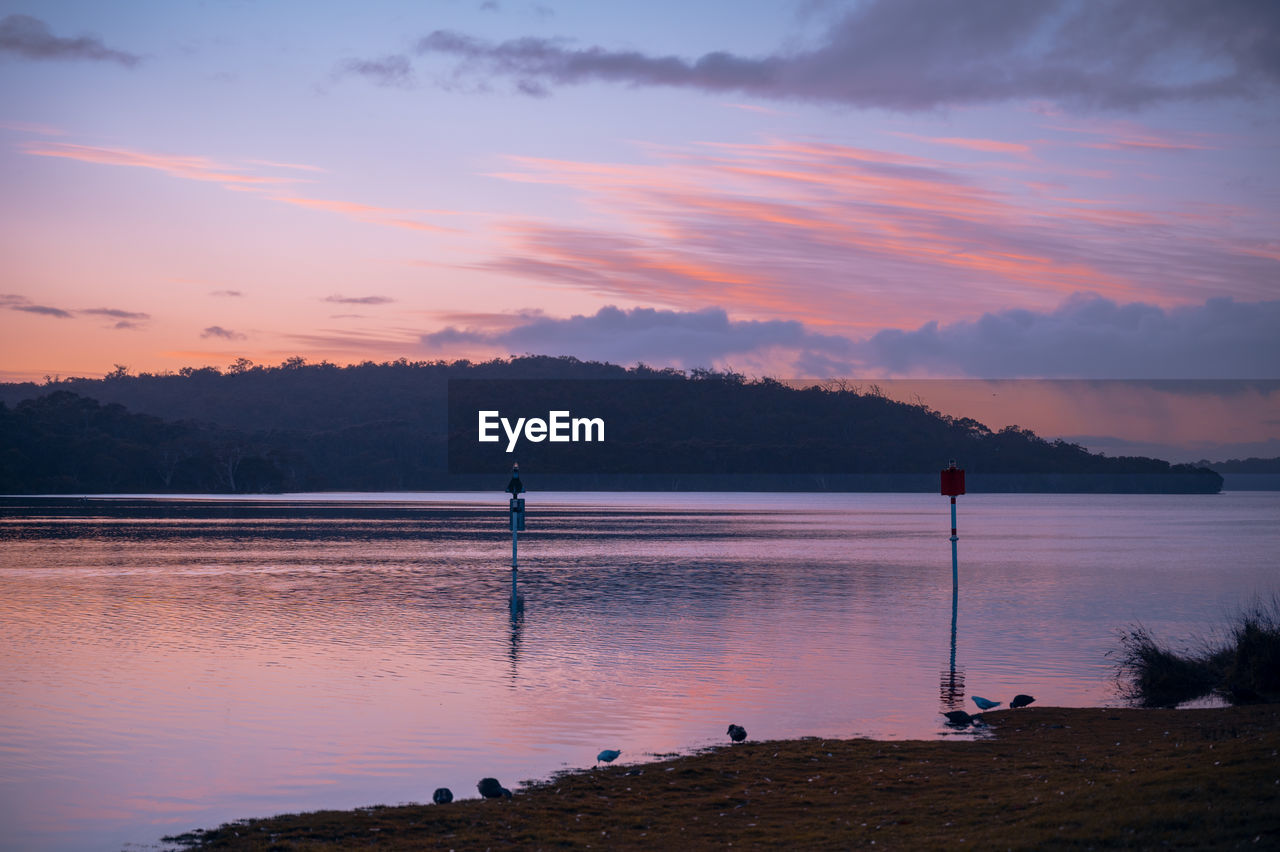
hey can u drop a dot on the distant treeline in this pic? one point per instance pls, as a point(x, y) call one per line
point(1249, 465)
point(384, 427)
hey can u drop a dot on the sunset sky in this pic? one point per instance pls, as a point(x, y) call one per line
point(806, 188)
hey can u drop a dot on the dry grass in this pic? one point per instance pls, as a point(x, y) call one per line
point(1048, 778)
point(1244, 669)
point(1156, 676)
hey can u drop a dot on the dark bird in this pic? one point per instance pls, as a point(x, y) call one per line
point(737, 733)
point(958, 718)
point(491, 789)
point(442, 796)
point(609, 755)
point(1021, 700)
point(985, 703)
point(515, 486)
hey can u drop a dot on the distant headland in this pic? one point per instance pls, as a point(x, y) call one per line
point(404, 426)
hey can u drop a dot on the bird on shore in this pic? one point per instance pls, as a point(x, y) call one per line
point(491, 789)
point(985, 703)
point(609, 755)
point(442, 796)
point(1021, 700)
point(959, 718)
point(737, 733)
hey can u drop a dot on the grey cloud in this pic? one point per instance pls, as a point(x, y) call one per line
point(116, 314)
point(920, 54)
point(229, 293)
point(359, 300)
point(126, 319)
point(224, 333)
point(32, 38)
point(43, 309)
point(680, 338)
point(1092, 337)
point(393, 70)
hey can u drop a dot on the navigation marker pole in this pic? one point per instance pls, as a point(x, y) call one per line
point(953, 486)
point(514, 488)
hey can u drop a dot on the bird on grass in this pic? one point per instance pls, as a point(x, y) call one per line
point(985, 703)
point(442, 796)
point(737, 733)
point(609, 755)
point(491, 789)
point(1021, 700)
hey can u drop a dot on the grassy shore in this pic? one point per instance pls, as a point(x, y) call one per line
point(1244, 667)
point(1046, 778)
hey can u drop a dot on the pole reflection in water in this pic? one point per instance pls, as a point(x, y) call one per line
point(517, 627)
point(951, 690)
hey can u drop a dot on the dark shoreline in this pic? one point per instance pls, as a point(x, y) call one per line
point(1048, 778)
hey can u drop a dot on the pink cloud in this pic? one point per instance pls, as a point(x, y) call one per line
point(388, 216)
point(989, 146)
point(186, 167)
point(32, 127)
point(852, 237)
point(299, 166)
point(762, 110)
point(239, 180)
point(1119, 135)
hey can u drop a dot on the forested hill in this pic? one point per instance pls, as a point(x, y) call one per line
point(384, 427)
point(1249, 474)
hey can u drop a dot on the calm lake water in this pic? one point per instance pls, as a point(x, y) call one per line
point(175, 663)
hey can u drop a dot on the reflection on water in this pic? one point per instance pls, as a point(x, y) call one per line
point(175, 663)
point(517, 626)
point(951, 692)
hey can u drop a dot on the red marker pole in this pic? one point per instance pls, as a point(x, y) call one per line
point(953, 486)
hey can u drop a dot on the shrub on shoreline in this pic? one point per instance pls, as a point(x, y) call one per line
point(1244, 669)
